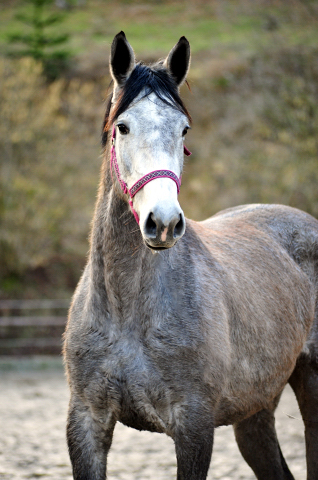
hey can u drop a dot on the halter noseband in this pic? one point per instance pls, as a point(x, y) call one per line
point(143, 180)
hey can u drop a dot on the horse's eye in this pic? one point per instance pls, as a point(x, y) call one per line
point(123, 129)
point(185, 131)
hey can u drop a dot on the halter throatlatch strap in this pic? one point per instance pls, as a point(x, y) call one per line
point(143, 180)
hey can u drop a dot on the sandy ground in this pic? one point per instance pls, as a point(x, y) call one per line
point(33, 405)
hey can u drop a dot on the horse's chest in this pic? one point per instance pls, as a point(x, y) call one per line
point(129, 384)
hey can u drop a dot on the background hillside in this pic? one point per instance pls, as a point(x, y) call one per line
point(253, 99)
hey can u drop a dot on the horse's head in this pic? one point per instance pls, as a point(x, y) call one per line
point(148, 121)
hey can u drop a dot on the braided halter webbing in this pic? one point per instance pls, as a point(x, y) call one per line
point(143, 180)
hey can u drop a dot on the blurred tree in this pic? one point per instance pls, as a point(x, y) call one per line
point(38, 42)
point(67, 4)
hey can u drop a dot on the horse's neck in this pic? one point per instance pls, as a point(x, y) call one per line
point(120, 262)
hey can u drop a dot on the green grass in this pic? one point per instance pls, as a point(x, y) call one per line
point(153, 28)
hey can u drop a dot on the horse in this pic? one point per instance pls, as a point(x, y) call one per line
point(178, 326)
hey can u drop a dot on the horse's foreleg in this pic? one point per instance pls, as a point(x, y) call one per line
point(304, 382)
point(89, 439)
point(194, 442)
point(257, 441)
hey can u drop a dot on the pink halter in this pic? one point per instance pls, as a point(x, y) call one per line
point(143, 180)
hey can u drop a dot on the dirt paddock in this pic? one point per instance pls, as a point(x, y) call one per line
point(33, 405)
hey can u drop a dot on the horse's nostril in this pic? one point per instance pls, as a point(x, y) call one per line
point(178, 229)
point(163, 231)
point(151, 227)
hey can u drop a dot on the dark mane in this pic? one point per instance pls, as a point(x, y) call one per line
point(153, 78)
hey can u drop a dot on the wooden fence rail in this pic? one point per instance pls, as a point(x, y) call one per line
point(32, 327)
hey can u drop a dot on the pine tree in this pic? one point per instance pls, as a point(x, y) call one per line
point(38, 42)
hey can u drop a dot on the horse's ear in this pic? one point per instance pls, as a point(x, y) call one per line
point(178, 61)
point(122, 59)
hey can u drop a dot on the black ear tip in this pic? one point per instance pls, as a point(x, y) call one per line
point(120, 35)
point(119, 41)
point(184, 46)
point(184, 40)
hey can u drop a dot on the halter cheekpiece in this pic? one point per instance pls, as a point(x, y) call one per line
point(143, 180)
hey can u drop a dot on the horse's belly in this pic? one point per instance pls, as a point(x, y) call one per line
point(264, 352)
point(244, 398)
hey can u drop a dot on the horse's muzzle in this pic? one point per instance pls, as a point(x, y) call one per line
point(163, 231)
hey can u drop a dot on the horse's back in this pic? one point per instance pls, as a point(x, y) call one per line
point(268, 217)
point(296, 231)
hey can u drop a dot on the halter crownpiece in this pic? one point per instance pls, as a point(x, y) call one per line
point(143, 180)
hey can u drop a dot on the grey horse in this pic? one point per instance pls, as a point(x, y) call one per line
point(179, 326)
